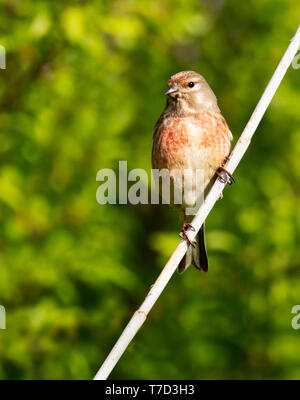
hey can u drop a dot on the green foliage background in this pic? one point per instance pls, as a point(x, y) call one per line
point(83, 88)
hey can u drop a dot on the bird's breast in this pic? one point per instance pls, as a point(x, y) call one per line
point(174, 135)
point(191, 142)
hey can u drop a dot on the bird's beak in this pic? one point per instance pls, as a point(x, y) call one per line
point(171, 90)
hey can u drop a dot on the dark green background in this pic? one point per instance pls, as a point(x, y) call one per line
point(83, 88)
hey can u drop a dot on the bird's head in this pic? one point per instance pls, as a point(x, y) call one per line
point(189, 93)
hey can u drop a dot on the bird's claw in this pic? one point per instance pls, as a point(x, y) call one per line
point(221, 171)
point(187, 226)
point(183, 234)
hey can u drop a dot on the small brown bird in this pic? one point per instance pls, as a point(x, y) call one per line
point(191, 133)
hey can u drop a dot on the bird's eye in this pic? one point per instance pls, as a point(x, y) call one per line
point(191, 84)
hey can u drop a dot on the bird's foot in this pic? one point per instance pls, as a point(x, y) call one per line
point(183, 234)
point(225, 176)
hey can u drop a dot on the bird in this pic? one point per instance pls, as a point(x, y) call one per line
point(191, 133)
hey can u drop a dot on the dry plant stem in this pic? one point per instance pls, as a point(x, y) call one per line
point(140, 315)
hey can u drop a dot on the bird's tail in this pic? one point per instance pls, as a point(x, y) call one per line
point(196, 256)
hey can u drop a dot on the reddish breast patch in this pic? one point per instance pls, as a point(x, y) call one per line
point(173, 135)
point(213, 129)
point(199, 140)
